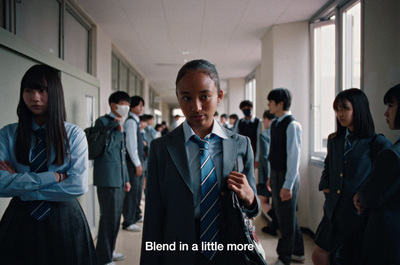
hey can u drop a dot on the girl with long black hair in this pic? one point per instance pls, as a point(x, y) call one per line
point(43, 167)
point(351, 152)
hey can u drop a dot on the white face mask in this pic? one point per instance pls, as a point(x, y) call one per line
point(122, 110)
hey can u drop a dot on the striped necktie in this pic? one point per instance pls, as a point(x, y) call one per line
point(209, 205)
point(39, 209)
point(347, 148)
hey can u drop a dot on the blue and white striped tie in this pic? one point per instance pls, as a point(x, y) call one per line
point(209, 205)
point(39, 209)
point(347, 148)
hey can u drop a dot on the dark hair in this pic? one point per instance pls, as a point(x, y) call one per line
point(148, 116)
point(245, 103)
point(363, 123)
point(234, 116)
point(116, 97)
point(157, 126)
point(394, 94)
point(202, 66)
point(43, 77)
point(224, 116)
point(281, 95)
point(135, 100)
point(216, 113)
point(143, 118)
point(268, 115)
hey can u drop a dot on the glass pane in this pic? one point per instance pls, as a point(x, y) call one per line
point(352, 47)
point(114, 69)
point(37, 21)
point(139, 87)
point(2, 14)
point(123, 78)
point(132, 84)
point(324, 85)
point(76, 49)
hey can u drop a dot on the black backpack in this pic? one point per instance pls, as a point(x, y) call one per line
point(97, 138)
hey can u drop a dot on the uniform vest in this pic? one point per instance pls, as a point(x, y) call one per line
point(278, 150)
point(250, 129)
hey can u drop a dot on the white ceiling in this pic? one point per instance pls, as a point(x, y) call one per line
point(158, 36)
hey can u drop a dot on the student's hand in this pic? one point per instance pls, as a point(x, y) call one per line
point(139, 171)
point(6, 165)
point(285, 194)
point(326, 190)
point(60, 176)
point(119, 127)
point(269, 184)
point(239, 184)
point(357, 203)
point(127, 187)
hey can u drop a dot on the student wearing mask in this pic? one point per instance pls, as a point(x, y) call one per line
point(111, 178)
point(251, 127)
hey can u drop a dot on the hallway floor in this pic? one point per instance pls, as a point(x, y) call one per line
point(129, 243)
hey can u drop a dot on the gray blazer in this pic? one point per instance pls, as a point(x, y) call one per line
point(110, 169)
point(169, 208)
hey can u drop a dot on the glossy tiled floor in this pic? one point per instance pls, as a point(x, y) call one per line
point(129, 243)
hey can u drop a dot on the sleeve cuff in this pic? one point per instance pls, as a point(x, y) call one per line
point(47, 179)
point(288, 185)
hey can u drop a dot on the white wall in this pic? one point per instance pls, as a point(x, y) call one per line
point(381, 56)
point(285, 63)
point(236, 88)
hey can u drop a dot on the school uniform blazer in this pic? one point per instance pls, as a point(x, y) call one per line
point(169, 213)
point(110, 169)
point(345, 178)
point(380, 195)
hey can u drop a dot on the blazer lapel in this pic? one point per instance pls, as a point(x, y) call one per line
point(177, 150)
point(229, 147)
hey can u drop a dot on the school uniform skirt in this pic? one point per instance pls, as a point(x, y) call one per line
point(62, 238)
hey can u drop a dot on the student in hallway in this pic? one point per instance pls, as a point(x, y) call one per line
point(111, 178)
point(44, 167)
point(284, 181)
point(177, 208)
point(135, 157)
point(348, 163)
point(379, 196)
point(251, 127)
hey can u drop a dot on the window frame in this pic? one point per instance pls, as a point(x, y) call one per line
point(138, 84)
point(10, 24)
point(334, 8)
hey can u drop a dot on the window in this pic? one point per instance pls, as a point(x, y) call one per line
point(2, 14)
point(351, 46)
point(124, 78)
point(324, 65)
point(38, 22)
point(77, 40)
point(336, 65)
point(251, 90)
point(54, 26)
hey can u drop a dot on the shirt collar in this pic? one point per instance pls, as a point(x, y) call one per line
point(136, 117)
point(251, 120)
point(217, 130)
point(35, 126)
point(112, 115)
point(284, 116)
point(347, 133)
